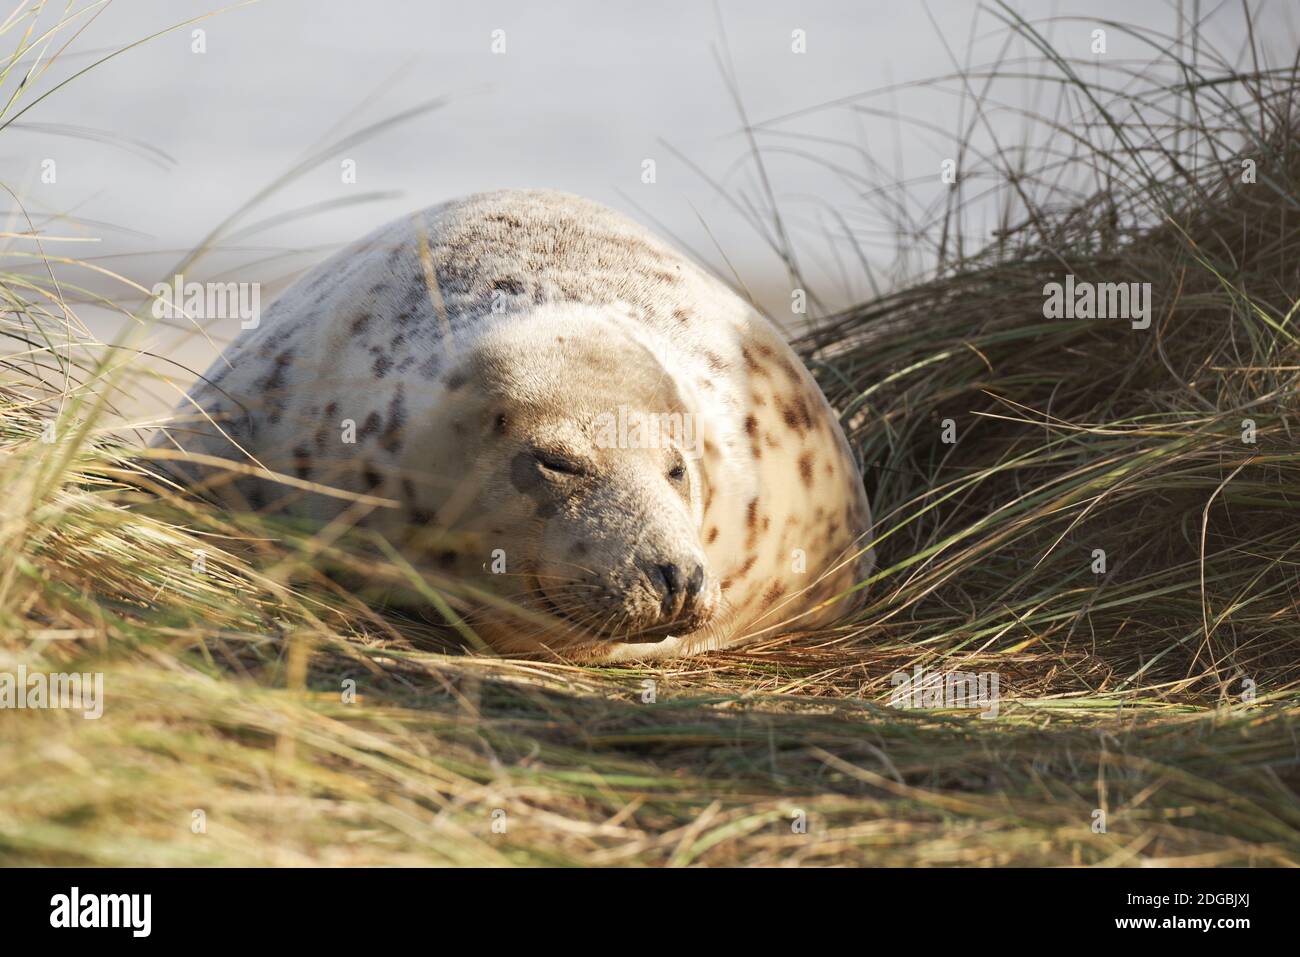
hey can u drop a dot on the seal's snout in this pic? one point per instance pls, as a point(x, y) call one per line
point(678, 590)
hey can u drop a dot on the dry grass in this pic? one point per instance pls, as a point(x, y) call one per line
point(1120, 692)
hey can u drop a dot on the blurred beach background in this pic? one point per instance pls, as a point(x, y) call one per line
point(160, 144)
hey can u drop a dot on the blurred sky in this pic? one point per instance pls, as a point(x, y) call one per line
point(583, 94)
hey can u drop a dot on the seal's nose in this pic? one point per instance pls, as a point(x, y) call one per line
point(678, 592)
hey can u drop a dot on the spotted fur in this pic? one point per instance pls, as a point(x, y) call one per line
point(457, 340)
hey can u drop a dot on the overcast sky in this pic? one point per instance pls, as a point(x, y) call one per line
point(583, 94)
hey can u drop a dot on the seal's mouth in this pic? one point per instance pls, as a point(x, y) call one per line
point(651, 635)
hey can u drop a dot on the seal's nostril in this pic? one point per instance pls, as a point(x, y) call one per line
point(672, 579)
point(678, 592)
point(695, 584)
point(666, 578)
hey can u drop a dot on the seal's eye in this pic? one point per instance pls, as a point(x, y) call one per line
point(677, 472)
point(553, 462)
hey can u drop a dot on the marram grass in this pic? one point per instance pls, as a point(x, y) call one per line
point(257, 714)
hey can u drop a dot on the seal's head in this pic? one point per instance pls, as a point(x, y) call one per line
point(575, 454)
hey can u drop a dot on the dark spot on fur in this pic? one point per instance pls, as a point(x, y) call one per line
point(795, 413)
point(806, 469)
point(381, 366)
point(302, 461)
point(455, 381)
point(712, 536)
point(361, 323)
point(447, 559)
point(751, 522)
point(579, 549)
point(773, 593)
point(274, 382)
point(372, 478)
point(372, 425)
point(274, 379)
point(510, 285)
point(524, 475)
point(391, 439)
